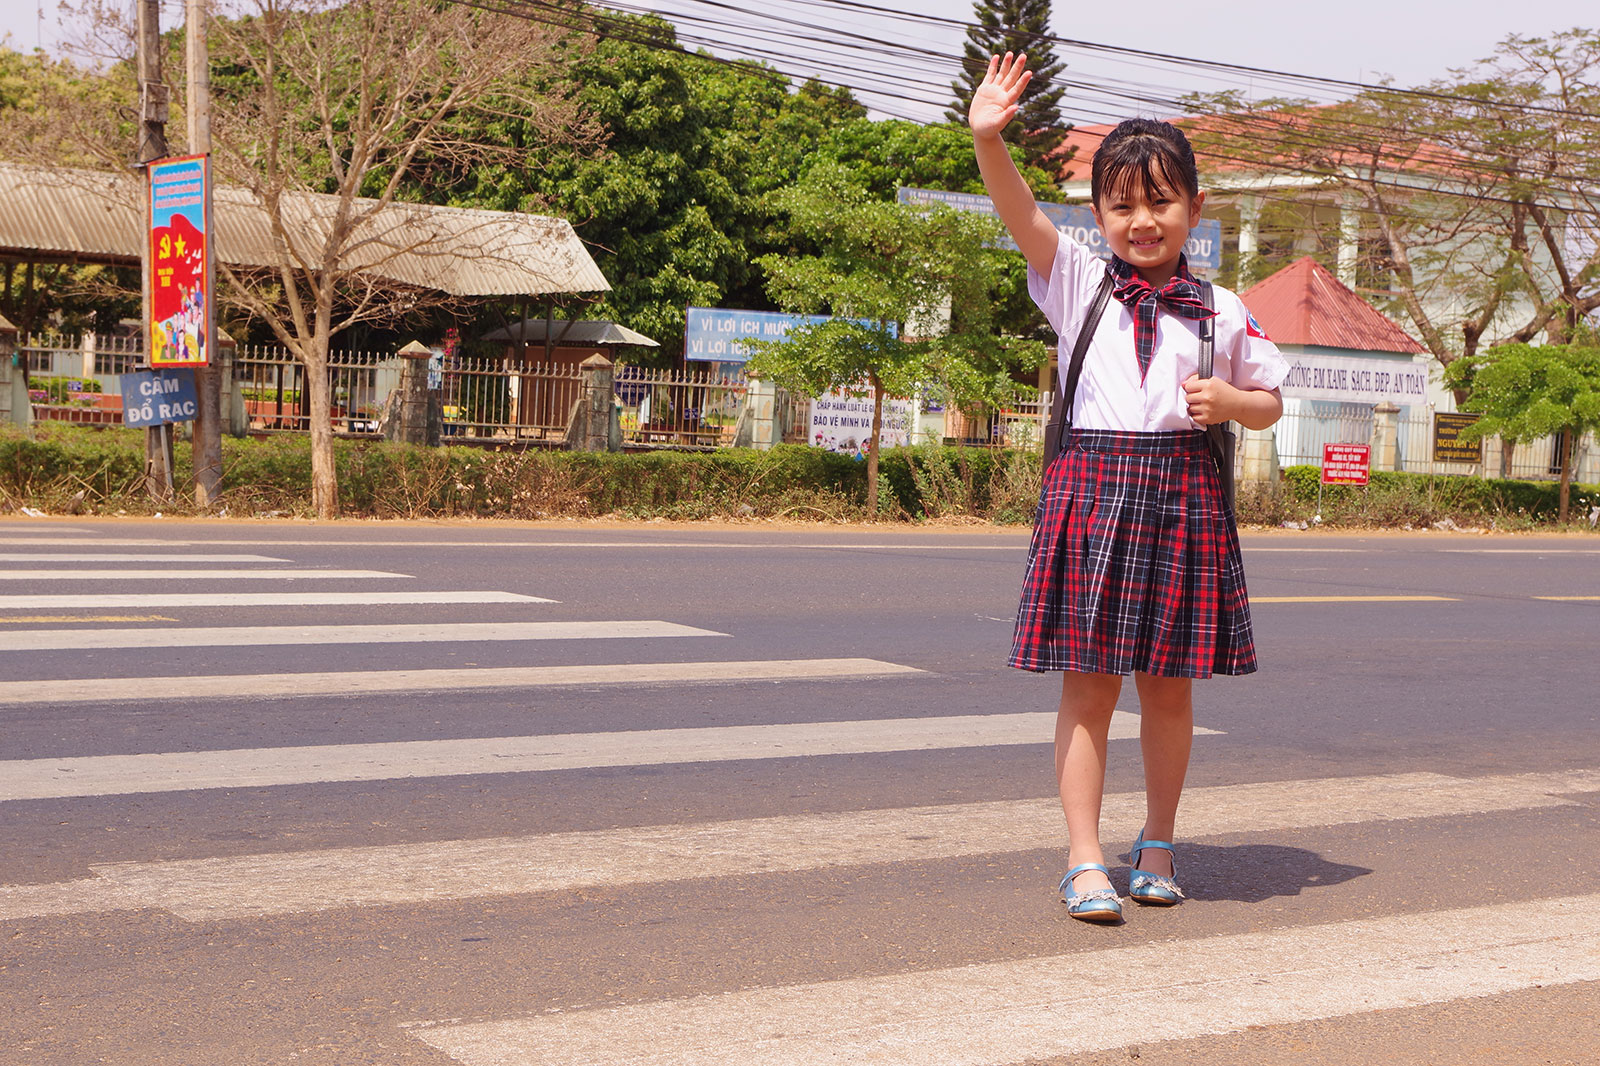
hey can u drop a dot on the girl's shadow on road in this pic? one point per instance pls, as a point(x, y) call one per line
point(1251, 873)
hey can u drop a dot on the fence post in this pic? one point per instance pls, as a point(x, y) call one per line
point(1385, 437)
point(757, 425)
point(408, 421)
point(86, 349)
point(15, 406)
point(237, 422)
point(1259, 458)
point(589, 428)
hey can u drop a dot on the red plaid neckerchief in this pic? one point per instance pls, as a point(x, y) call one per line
point(1180, 295)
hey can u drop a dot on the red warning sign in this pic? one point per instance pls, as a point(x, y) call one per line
point(1346, 464)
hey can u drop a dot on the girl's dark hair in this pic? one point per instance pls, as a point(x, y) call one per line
point(1147, 151)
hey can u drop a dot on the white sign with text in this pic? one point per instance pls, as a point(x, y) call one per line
point(843, 423)
point(1355, 379)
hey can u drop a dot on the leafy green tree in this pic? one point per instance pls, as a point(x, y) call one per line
point(55, 113)
point(1016, 26)
point(356, 98)
point(1476, 198)
point(1524, 392)
point(884, 269)
point(673, 207)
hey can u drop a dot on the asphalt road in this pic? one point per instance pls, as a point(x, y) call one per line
point(491, 794)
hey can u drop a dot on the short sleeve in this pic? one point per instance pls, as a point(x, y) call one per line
point(1254, 362)
point(1074, 275)
point(1047, 292)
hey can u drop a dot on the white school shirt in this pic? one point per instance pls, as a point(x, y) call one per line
point(1110, 394)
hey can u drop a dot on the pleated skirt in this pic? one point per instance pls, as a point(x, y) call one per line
point(1135, 563)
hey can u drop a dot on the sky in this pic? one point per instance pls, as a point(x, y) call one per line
point(903, 66)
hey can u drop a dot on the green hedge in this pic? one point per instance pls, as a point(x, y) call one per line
point(99, 469)
point(1405, 499)
point(56, 463)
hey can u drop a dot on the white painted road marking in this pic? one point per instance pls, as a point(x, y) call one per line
point(305, 881)
point(258, 599)
point(1043, 1008)
point(368, 682)
point(130, 574)
point(1353, 599)
point(125, 557)
point(258, 636)
point(111, 775)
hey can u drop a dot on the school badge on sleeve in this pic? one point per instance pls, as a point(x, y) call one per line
point(1252, 327)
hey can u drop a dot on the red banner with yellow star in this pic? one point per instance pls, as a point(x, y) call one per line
point(180, 262)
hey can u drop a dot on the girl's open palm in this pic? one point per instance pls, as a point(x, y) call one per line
point(998, 97)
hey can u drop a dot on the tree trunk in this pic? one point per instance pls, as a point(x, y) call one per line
point(872, 444)
point(1570, 438)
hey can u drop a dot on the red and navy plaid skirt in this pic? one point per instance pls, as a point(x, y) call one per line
point(1135, 564)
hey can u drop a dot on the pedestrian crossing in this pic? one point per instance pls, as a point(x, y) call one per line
point(200, 890)
point(994, 1012)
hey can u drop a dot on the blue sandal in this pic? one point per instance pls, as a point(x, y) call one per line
point(1149, 888)
point(1096, 905)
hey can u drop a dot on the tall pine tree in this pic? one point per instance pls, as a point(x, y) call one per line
point(1003, 26)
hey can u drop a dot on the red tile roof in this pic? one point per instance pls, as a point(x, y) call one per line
point(1246, 143)
point(1305, 304)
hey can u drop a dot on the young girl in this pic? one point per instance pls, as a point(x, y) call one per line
point(1135, 565)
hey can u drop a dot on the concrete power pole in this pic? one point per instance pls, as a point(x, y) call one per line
point(153, 145)
point(208, 378)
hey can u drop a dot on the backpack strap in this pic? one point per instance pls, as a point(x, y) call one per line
point(1218, 436)
point(1061, 416)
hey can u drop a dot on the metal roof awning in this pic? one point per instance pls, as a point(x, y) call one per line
point(581, 332)
point(58, 214)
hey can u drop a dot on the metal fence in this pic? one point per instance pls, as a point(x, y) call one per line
point(1300, 436)
point(501, 399)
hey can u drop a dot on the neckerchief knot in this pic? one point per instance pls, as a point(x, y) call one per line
point(1180, 295)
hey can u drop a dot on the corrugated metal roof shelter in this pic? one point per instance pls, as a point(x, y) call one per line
point(587, 332)
point(49, 214)
point(1305, 304)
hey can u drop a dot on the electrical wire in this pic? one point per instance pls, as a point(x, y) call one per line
point(1335, 134)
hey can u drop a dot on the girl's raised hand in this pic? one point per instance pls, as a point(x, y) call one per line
point(998, 97)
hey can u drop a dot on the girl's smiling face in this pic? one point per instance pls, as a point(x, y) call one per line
point(1146, 222)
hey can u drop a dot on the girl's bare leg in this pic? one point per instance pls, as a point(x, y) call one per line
point(1166, 732)
point(1082, 725)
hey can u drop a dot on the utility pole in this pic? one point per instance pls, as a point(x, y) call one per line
point(152, 146)
point(208, 378)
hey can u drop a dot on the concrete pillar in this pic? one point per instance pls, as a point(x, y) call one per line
point(234, 417)
point(1385, 437)
point(1249, 235)
point(15, 407)
point(1258, 460)
point(757, 426)
point(1349, 241)
point(86, 347)
point(589, 428)
point(410, 408)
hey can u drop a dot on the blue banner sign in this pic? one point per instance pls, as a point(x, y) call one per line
point(717, 335)
point(1204, 247)
point(151, 397)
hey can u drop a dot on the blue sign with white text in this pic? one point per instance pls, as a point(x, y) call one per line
point(714, 334)
point(1204, 247)
point(152, 397)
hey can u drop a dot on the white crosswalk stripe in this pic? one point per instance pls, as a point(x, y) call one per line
point(86, 601)
point(132, 557)
point(368, 682)
point(297, 882)
point(132, 574)
point(113, 775)
point(1012, 1012)
point(268, 636)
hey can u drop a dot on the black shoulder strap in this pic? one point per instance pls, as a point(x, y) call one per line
point(1060, 418)
point(1207, 330)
